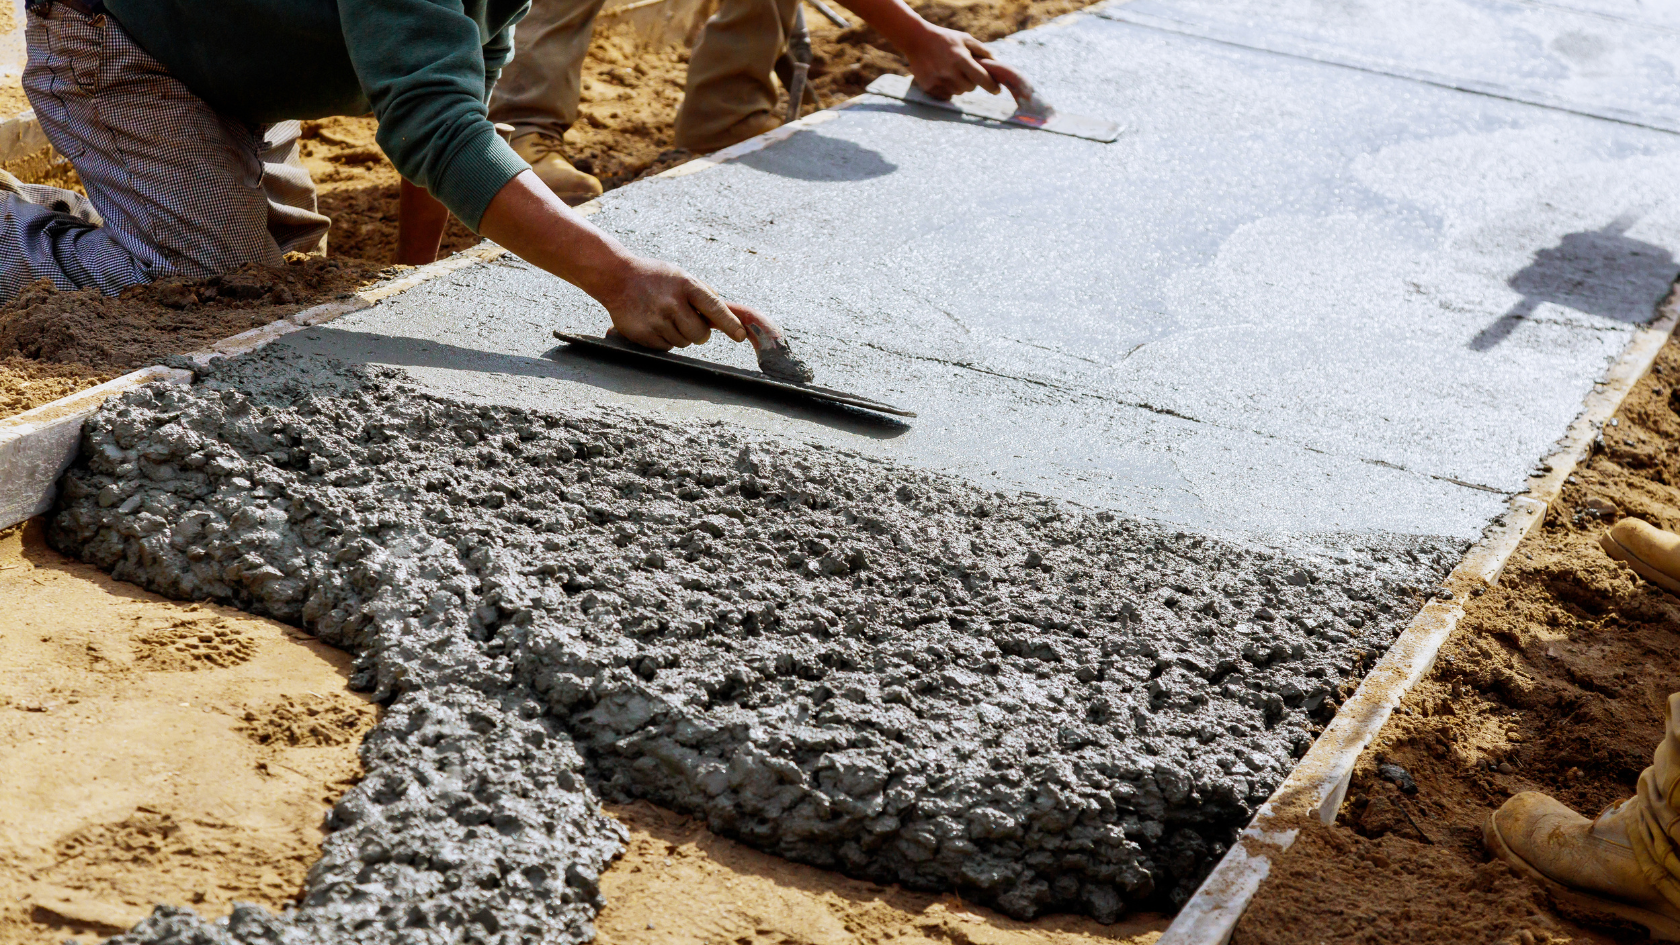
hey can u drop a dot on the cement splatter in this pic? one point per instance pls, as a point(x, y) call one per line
point(868, 668)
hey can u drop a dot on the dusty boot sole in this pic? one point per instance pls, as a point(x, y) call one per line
point(1616, 550)
point(1661, 927)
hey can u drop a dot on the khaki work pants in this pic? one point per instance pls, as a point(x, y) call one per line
point(1657, 828)
point(730, 71)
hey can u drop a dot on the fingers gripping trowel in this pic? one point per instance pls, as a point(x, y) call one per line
point(1030, 108)
point(783, 372)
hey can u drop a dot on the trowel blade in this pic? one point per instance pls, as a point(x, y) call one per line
point(997, 108)
point(618, 345)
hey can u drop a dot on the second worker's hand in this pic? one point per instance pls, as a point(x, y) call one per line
point(947, 62)
point(944, 62)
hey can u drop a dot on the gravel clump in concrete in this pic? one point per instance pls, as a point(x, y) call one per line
point(864, 667)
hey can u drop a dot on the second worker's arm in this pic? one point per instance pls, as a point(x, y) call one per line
point(944, 62)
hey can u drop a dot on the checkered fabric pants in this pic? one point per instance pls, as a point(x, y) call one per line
point(173, 187)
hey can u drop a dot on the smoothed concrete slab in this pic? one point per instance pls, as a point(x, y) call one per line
point(1611, 59)
point(1291, 298)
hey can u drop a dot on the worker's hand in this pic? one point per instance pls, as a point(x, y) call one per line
point(947, 62)
point(657, 305)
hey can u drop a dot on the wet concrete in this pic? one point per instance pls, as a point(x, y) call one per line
point(854, 664)
point(1265, 310)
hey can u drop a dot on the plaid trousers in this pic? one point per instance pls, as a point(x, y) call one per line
point(173, 187)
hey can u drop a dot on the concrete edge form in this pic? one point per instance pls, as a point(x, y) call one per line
point(1319, 782)
point(36, 446)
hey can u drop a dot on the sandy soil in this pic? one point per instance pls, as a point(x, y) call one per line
point(1555, 681)
point(147, 323)
point(12, 99)
point(155, 751)
point(25, 383)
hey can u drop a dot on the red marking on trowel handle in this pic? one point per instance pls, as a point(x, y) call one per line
point(1030, 108)
point(760, 330)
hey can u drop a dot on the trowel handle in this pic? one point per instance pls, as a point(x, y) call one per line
point(1028, 104)
point(761, 331)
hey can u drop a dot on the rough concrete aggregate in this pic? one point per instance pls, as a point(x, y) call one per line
point(874, 669)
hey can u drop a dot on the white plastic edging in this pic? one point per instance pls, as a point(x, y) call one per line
point(36, 446)
point(1317, 785)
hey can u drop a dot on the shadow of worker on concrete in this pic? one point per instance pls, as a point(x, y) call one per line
point(1600, 272)
point(816, 157)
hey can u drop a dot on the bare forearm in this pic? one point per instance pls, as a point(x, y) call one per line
point(420, 223)
point(894, 19)
point(526, 219)
point(650, 302)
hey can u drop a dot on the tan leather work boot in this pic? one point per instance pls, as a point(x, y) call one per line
point(1649, 550)
point(1588, 863)
point(1624, 863)
point(546, 157)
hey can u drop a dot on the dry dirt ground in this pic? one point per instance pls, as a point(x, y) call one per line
point(26, 383)
point(155, 751)
point(1555, 681)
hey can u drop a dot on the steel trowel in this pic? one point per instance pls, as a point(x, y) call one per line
point(780, 370)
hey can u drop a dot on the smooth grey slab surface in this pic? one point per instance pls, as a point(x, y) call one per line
point(1600, 57)
point(1292, 298)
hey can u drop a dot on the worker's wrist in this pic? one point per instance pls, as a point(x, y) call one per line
point(907, 31)
point(610, 278)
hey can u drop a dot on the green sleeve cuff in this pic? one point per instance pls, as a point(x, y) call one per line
point(477, 171)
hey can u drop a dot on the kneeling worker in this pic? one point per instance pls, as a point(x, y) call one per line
point(178, 116)
point(730, 94)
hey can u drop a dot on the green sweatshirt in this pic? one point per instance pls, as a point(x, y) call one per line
point(424, 67)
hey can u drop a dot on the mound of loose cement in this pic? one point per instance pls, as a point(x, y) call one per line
point(864, 667)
